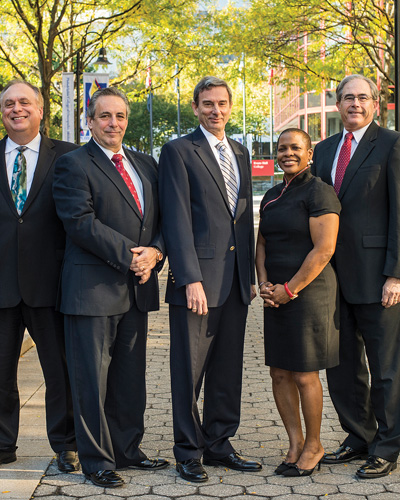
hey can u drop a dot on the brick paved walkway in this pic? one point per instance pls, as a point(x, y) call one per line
point(261, 435)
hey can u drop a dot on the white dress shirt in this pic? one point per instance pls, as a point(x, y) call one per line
point(357, 136)
point(31, 154)
point(213, 141)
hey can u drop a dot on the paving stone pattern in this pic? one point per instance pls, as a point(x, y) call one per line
point(261, 436)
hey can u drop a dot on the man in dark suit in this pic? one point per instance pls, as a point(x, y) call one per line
point(207, 221)
point(31, 249)
point(107, 198)
point(363, 164)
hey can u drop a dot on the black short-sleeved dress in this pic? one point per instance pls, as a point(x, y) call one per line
point(302, 335)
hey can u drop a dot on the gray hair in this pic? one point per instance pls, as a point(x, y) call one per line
point(208, 82)
point(39, 97)
point(347, 79)
point(108, 91)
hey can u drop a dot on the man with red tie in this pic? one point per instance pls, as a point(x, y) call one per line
point(106, 197)
point(363, 164)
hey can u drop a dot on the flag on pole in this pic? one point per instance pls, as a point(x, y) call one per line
point(148, 76)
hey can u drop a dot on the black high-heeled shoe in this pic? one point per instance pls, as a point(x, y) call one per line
point(295, 471)
point(282, 467)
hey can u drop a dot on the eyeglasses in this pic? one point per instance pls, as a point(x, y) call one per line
point(363, 98)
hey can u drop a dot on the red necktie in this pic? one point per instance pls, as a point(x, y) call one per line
point(343, 161)
point(117, 159)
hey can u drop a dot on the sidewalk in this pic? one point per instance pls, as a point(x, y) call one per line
point(261, 435)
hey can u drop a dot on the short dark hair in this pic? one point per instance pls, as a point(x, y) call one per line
point(208, 82)
point(306, 137)
point(39, 97)
point(107, 91)
point(347, 79)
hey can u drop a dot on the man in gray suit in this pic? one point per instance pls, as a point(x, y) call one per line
point(107, 198)
point(31, 250)
point(363, 164)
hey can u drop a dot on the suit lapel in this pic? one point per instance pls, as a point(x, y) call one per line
point(363, 150)
point(105, 165)
point(4, 184)
point(325, 172)
point(44, 163)
point(207, 157)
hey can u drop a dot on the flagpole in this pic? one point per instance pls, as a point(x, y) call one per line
point(150, 103)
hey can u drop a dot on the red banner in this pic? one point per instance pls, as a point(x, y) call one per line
point(262, 168)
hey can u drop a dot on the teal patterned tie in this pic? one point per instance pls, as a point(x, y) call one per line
point(18, 182)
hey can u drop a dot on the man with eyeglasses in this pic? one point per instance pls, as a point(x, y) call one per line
point(363, 165)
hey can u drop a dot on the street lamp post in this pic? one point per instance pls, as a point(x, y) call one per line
point(102, 61)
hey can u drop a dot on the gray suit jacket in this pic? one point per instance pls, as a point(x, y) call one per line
point(203, 239)
point(103, 223)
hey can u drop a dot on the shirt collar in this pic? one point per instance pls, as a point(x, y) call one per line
point(110, 153)
point(34, 145)
point(357, 134)
point(212, 139)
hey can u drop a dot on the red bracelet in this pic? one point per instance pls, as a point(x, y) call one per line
point(292, 296)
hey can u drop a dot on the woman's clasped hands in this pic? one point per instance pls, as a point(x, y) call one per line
point(273, 295)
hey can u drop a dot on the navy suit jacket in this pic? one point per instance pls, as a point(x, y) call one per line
point(31, 244)
point(368, 245)
point(202, 237)
point(103, 223)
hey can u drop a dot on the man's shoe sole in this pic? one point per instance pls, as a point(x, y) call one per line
point(8, 460)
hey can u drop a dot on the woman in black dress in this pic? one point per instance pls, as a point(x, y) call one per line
point(299, 221)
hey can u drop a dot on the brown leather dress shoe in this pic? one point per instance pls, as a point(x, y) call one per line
point(67, 461)
point(105, 478)
point(376, 467)
point(343, 455)
point(235, 462)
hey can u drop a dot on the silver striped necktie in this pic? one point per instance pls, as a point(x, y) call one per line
point(229, 176)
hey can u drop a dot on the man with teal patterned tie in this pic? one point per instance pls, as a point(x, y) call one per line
point(31, 250)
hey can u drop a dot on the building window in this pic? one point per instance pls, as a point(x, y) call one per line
point(314, 100)
point(301, 101)
point(314, 126)
point(302, 122)
point(334, 124)
point(330, 98)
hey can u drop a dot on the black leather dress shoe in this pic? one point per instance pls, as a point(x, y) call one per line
point(6, 457)
point(235, 462)
point(192, 470)
point(376, 467)
point(67, 461)
point(150, 464)
point(105, 478)
point(342, 455)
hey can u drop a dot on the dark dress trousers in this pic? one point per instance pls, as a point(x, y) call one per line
point(105, 307)
point(31, 251)
point(206, 243)
point(367, 252)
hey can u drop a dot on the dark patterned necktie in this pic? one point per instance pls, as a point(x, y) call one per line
point(18, 181)
point(117, 160)
point(229, 176)
point(343, 161)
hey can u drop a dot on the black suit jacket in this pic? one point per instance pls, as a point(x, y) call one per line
point(103, 223)
point(368, 245)
point(31, 244)
point(203, 240)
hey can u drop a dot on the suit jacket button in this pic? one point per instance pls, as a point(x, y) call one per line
point(118, 267)
point(234, 221)
point(232, 248)
point(143, 228)
point(20, 221)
